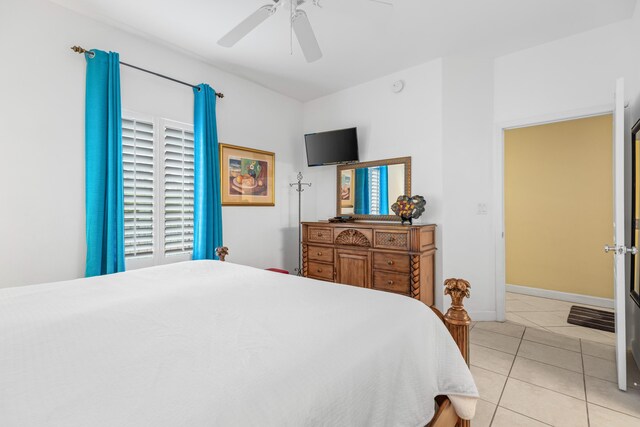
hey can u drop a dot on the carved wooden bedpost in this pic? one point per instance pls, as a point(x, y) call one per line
point(222, 252)
point(457, 318)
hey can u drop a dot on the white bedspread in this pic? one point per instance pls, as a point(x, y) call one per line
point(205, 343)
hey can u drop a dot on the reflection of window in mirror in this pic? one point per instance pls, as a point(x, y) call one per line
point(371, 188)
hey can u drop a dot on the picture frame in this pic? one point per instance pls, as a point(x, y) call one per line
point(247, 176)
point(346, 188)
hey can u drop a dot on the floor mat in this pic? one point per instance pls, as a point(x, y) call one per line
point(592, 318)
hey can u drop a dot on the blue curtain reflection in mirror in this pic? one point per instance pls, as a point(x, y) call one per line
point(372, 191)
point(363, 195)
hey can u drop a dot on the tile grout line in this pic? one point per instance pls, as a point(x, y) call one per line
point(584, 384)
point(524, 415)
point(545, 328)
point(508, 375)
point(528, 358)
point(581, 343)
point(614, 410)
point(549, 389)
point(537, 385)
point(533, 384)
point(535, 342)
point(500, 333)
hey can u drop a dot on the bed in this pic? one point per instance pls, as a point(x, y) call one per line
point(204, 343)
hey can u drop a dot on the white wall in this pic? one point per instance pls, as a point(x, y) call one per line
point(566, 75)
point(389, 125)
point(468, 238)
point(42, 121)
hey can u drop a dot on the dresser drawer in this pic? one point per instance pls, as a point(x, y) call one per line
point(320, 271)
point(320, 234)
point(389, 239)
point(394, 282)
point(391, 261)
point(319, 253)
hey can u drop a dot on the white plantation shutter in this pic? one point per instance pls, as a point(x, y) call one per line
point(178, 187)
point(138, 167)
point(374, 182)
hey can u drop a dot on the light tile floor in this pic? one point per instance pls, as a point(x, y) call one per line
point(551, 315)
point(529, 376)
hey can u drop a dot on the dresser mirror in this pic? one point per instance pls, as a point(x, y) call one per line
point(367, 190)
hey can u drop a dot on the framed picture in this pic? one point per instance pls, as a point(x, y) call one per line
point(247, 176)
point(346, 189)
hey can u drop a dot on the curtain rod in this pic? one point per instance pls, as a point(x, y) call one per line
point(79, 49)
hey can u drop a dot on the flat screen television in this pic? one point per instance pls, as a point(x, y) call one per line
point(330, 148)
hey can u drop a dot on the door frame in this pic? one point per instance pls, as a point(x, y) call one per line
point(498, 185)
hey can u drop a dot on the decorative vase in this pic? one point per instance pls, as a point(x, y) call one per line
point(409, 207)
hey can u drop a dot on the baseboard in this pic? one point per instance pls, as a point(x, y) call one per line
point(562, 296)
point(635, 351)
point(482, 316)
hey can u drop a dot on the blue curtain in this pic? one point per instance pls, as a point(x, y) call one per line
point(363, 194)
point(207, 215)
point(384, 190)
point(103, 165)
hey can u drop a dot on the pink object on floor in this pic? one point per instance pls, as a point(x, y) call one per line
point(278, 270)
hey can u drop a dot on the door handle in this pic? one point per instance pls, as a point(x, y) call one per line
point(621, 250)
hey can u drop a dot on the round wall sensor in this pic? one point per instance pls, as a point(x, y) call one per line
point(397, 86)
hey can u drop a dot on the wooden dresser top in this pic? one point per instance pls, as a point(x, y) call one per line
point(369, 224)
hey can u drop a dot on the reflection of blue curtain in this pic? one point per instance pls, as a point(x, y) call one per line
point(363, 195)
point(384, 190)
point(207, 207)
point(103, 162)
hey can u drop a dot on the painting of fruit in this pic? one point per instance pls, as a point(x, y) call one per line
point(247, 176)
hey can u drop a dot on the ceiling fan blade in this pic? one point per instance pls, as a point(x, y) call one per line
point(246, 26)
point(385, 2)
point(306, 37)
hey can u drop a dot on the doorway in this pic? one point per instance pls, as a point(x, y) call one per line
point(558, 193)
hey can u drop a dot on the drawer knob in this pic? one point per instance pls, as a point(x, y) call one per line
point(319, 234)
point(390, 262)
point(319, 253)
point(319, 270)
point(392, 239)
point(390, 282)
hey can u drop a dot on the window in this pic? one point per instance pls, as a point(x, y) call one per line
point(138, 165)
point(178, 189)
point(374, 182)
point(157, 157)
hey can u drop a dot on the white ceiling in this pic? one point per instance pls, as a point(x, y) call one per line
point(361, 39)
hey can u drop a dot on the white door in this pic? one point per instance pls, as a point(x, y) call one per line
point(619, 249)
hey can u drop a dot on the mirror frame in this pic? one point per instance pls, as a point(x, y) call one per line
point(406, 161)
point(634, 258)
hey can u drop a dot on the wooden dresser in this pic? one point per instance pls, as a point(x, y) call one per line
point(385, 256)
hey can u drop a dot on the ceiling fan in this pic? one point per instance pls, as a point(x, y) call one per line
point(299, 24)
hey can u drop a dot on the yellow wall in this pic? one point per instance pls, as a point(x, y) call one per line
point(558, 206)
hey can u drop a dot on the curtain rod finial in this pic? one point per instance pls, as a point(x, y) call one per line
point(79, 49)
